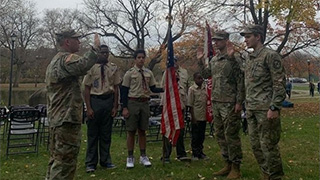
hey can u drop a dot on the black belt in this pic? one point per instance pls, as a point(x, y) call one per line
point(107, 96)
point(139, 99)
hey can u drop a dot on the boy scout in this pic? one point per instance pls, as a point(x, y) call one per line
point(65, 103)
point(227, 96)
point(101, 97)
point(138, 82)
point(265, 92)
point(197, 101)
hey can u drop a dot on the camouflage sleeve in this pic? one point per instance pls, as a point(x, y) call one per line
point(78, 66)
point(240, 83)
point(278, 79)
point(206, 71)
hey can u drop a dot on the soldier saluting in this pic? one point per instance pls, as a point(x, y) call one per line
point(65, 103)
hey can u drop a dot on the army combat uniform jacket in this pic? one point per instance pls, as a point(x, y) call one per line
point(264, 80)
point(63, 86)
point(227, 79)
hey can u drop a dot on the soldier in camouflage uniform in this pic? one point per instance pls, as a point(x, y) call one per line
point(265, 92)
point(65, 104)
point(227, 97)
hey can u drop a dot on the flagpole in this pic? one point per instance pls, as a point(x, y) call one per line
point(164, 149)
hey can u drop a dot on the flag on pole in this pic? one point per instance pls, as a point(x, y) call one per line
point(208, 54)
point(172, 117)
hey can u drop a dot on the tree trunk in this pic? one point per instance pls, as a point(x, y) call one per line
point(155, 60)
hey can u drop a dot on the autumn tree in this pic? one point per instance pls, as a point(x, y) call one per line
point(141, 23)
point(289, 25)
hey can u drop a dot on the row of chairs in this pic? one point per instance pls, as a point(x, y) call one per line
point(23, 127)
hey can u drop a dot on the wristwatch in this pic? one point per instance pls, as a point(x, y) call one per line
point(273, 108)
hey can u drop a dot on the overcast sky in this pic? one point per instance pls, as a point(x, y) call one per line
point(51, 4)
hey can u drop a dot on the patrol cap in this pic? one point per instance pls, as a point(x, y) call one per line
point(221, 35)
point(252, 29)
point(70, 33)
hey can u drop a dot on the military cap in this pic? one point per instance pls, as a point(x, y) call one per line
point(68, 34)
point(221, 35)
point(252, 29)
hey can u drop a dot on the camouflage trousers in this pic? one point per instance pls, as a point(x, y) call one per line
point(227, 124)
point(264, 138)
point(64, 149)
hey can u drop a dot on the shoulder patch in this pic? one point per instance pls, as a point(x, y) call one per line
point(72, 58)
point(276, 64)
point(69, 57)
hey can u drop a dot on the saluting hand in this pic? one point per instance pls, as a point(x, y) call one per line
point(96, 41)
point(230, 49)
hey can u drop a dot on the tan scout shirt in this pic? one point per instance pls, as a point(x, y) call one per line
point(133, 80)
point(197, 98)
point(227, 79)
point(94, 80)
point(264, 80)
point(63, 86)
point(182, 75)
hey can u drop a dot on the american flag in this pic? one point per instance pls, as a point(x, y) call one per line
point(172, 117)
point(208, 54)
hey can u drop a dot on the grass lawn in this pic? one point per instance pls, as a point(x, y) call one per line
point(299, 148)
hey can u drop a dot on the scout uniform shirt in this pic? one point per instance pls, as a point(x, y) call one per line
point(197, 98)
point(63, 86)
point(264, 80)
point(100, 86)
point(227, 79)
point(138, 88)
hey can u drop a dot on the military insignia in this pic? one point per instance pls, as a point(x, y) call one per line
point(276, 64)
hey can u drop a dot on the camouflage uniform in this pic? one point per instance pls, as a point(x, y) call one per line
point(101, 101)
point(265, 87)
point(65, 111)
point(265, 91)
point(227, 91)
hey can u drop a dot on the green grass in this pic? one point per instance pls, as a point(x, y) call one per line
point(299, 148)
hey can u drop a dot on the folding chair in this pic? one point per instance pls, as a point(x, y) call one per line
point(154, 128)
point(23, 131)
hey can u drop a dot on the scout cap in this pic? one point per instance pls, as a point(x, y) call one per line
point(252, 29)
point(221, 35)
point(71, 33)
